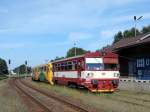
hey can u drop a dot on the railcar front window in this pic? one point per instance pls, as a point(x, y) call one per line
point(94, 66)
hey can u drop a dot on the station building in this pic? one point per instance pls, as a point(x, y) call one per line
point(134, 56)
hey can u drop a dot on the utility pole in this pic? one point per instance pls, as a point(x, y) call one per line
point(18, 72)
point(135, 20)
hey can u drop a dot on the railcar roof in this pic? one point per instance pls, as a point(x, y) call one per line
point(79, 56)
point(91, 55)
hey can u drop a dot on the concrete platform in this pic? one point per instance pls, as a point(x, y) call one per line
point(134, 85)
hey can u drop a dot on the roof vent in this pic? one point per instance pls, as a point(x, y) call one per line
point(146, 36)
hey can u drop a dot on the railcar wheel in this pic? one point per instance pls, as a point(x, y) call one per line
point(33, 79)
point(72, 85)
point(56, 82)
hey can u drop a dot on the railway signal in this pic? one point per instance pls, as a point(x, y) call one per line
point(26, 62)
point(9, 62)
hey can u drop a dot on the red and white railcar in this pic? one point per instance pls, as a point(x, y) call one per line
point(96, 71)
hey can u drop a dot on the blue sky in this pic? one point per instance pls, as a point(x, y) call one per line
point(37, 30)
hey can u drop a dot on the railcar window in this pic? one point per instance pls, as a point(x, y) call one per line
point(59, 67)
point(62, 66)
point(69, 65)
point(75, 62)
point(74, 65)
point(110, 66)
point(56, 67)
point(65, 66)
point(94, 66)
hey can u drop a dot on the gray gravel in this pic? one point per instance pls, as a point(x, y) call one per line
point(134, 86)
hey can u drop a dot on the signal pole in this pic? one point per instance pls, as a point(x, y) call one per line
point(26, 68)
point(9, 69)
point(18, 72)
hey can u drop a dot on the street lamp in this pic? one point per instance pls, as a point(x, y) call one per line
point(135, 20)
point(75, 50)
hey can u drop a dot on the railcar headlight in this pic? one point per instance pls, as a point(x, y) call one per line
point(116, 74)
point(90, 75)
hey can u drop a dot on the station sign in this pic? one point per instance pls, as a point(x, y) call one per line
point(143, 62)
point(143, 66)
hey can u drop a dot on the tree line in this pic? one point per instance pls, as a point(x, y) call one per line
point(130, 33)
point(3, 67)
point(22, 69)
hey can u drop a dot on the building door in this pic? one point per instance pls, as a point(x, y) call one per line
point(131, 67)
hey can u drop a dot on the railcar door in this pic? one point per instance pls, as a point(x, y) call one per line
point(80, 67)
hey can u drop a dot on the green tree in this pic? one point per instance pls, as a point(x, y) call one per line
point(22, 69)
point(3, 67)
point(79, 51)
point(107, 47)
point(130, 33)
point(59, 58)
point(126, 34)
point(118, 36)
point(146, 29)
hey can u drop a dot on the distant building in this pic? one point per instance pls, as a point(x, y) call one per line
point(134, 56)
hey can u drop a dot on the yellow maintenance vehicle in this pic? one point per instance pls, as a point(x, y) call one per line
point(43, 73)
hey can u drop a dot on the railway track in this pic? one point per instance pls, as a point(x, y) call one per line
point(20, 90)
point(26, 89)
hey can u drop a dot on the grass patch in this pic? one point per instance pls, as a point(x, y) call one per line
point(3, 77)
